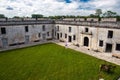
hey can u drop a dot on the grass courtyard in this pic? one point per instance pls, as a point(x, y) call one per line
point(51, 62)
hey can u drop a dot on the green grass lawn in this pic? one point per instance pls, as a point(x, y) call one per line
point(50, 62)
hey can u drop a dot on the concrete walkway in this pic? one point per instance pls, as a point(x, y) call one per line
point(104, 56)
point(24, 45)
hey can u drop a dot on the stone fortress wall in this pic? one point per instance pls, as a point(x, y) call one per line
point(91, 33)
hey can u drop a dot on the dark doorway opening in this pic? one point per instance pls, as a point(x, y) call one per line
point(57, 35)
point(86, 41)
point(69, 39)
point(108, 47)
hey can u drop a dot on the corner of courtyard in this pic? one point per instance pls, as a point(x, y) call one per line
point(101, 55)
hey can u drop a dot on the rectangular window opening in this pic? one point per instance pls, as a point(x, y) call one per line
point(48, 34)
point(26, 29)
point(110, 34)
point(57, 28)
point(60, 34)
point(101, 43)
point(118, 47)
point(65, 35)
point(70, 29)
point(86, 29)
point(3, 31)
point(43, 27)
point(74, 37)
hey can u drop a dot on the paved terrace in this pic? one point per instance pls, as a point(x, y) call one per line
point(104, 56)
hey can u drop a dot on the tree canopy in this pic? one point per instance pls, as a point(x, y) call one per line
point(110, 14)
point(37, 16)
point(17, 17)
point(98, 12)
point(2, 16)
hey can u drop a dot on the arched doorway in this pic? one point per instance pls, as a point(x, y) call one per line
point(86, 41)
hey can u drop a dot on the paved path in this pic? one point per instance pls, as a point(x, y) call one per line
point(24, 45)
point(104, 56)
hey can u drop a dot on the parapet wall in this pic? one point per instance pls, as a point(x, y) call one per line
point(92, 22)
